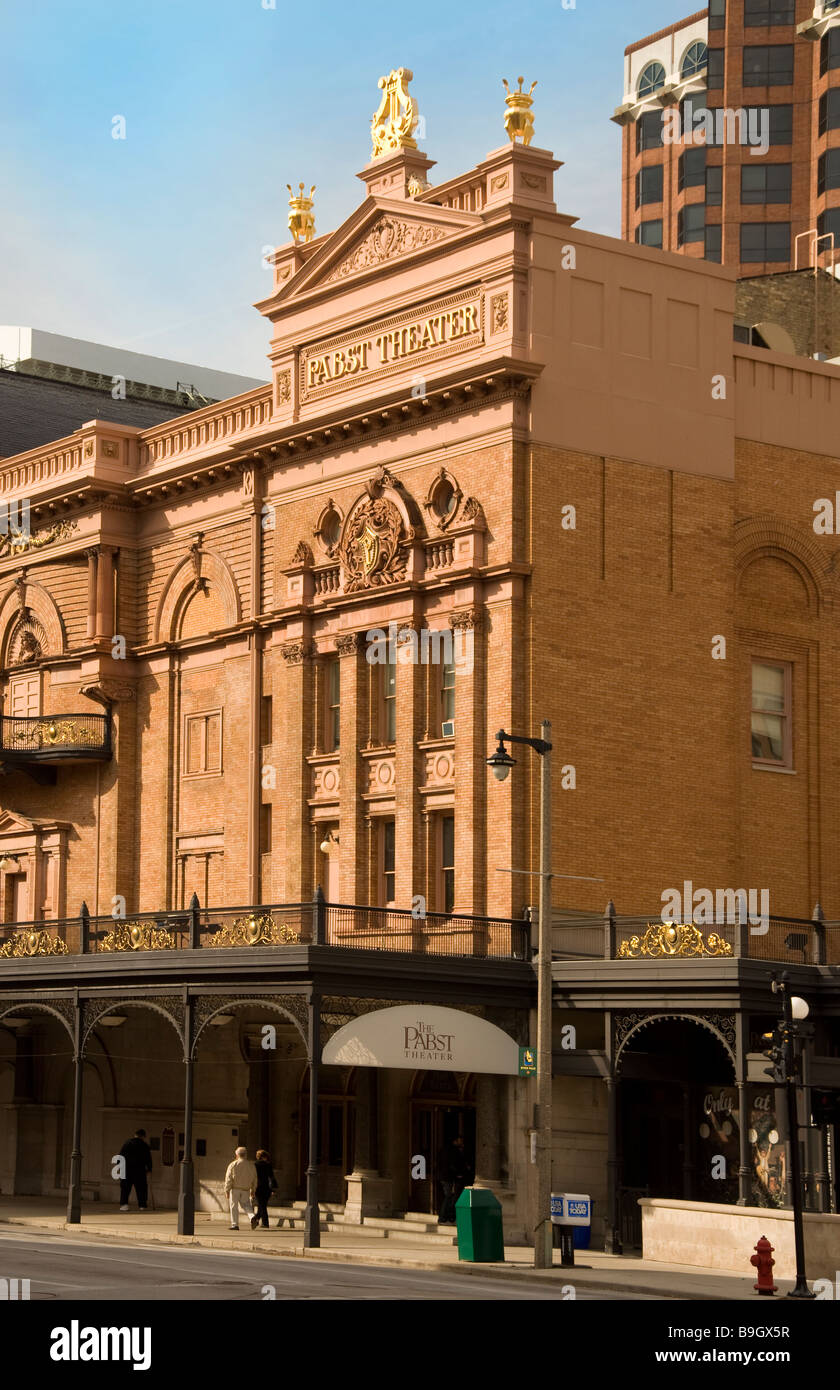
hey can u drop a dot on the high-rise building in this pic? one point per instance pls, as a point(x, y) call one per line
point(732, 135)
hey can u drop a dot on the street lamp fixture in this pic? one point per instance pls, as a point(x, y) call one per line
point(327, 843)
point(794, 1011)
point(501, 762)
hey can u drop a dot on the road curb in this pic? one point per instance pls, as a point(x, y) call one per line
point(575, 1276)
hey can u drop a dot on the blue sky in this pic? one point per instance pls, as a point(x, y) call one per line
point(154, 242)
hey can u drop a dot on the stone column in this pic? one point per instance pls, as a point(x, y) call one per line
point(104, 621)
point(744, 1166)
point(298, 741)
point(488, 1131)
point(90, 628)
point(409, 727)
point(471, 754)
point(612, 1225)
point(354, 723)
point(367, 1193)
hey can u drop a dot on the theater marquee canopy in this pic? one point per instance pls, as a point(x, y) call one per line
point(431, 1037)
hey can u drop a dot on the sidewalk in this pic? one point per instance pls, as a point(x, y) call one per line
point(593, 1271)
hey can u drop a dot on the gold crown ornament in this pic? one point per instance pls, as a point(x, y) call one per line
point(519, 122)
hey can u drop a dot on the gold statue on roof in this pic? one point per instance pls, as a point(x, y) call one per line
point(393, 124)
point(301, 216)
point(519, 122)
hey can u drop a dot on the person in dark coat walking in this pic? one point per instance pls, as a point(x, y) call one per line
point(453, 1171)
point(138, 1165)
point(266, 1184)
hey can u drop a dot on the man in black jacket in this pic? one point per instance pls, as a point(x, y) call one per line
point(138, 1165)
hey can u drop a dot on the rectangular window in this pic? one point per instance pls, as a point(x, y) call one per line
point(692, 169)
point(717, 14)
point(649, 185)
point(24, 698)
point(447, 862)
point(649, 131)
point(829, 222)
point(765, 183)
point(829, 51)
point(447, 690)
point(768, 65)
point(762, 13)
point(265, 829)
point(389, 861)
point(828, 175)
point(771, 711)
point(765, 241)
point(389, 702)
point(333, 674)
point(650, 233)
point(714, 185)
point(713, 243)
point(781, 124)
point(714, 72)
point(830, 110)
point(266, 721)
point(691, 223)
point(202, 744)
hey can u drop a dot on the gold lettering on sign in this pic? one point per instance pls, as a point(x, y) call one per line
point(452, 325)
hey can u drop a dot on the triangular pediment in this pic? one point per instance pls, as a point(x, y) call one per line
point(382, 232)
point(13, 823)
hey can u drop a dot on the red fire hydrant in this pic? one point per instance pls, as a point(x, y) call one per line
point(763, 1261)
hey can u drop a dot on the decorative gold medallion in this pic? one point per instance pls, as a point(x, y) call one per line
point(254, 931)
point(393, 124)
point(140, 936)
point(673, 939)
point(519, 122)
point(368, 544)
point(370, 550)
point(33, 943)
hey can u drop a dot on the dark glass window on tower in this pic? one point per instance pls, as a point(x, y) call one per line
point(692, 169)
point(765, 183)
point(649, 185)
point(829, 51)
point(691, 224)
point(781, 124)
point(764, 12)
point(717, 14)
point(714, 75)
point(768, 65)
point(649, 131)
point(713, 241)
point(828, 171)
point(830, 108)
point(765, 241)
point(827, 222)
point(714, 185)
point(650, 233)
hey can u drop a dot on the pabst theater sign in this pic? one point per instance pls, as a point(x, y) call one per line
point(405, 340)
point(424, 1037)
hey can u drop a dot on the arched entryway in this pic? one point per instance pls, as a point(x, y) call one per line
point(677, 1117)
point(336, 1132)
point(441, 1108)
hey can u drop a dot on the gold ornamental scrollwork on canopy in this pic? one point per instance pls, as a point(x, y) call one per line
point(393, 123)
point(140, 936)
point(254, 930)
point(52, 731)
point(33, 943)
point(673, 939)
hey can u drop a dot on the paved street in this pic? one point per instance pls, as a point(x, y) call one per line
point(94, 1271)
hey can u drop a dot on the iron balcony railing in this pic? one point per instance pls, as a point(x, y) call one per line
point(314, 923)
point(783, 940)
point(52, 738)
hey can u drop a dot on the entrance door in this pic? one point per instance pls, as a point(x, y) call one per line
point(435, 1122)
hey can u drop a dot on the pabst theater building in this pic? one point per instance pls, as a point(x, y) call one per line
point(257, 880)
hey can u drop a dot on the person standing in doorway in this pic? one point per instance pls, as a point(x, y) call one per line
point(454, 1175)
point(266, 1184)
point(138, 1165)
point(240, 1185)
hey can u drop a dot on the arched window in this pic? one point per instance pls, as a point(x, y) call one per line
point(695, 60)
point(651, 80)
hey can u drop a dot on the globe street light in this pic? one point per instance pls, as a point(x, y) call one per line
point(501, 763)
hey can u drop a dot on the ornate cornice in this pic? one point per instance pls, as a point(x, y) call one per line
point(472, 617)
point(389, 238)
point(296, 653)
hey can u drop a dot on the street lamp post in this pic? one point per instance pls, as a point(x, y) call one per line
point(794, 1010)
point(501, 763)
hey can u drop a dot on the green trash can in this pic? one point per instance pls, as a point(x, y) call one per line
point(478, 1220)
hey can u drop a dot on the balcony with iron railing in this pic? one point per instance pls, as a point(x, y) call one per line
point(780, 940)
point(272, 928)
point(55, 738)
